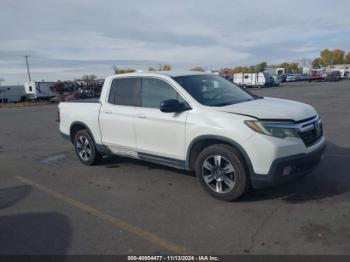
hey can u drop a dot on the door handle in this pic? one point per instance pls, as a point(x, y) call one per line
point(141, 115)
point(107, 112)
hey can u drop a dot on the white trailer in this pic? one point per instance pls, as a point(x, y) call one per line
point(252, 79)
point(343, 69)
point(10, 94)
point(39, 90)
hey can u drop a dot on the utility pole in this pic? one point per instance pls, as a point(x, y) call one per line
point(26, 56)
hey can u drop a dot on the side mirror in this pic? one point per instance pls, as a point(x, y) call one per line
point(172, 106)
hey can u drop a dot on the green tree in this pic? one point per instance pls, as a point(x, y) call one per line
point(151, 69)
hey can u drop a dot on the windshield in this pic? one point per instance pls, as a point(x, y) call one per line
point(213, 90)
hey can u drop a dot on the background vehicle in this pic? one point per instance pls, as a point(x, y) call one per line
point(317, 76)
point(291, 78)
point(200, 122)
point(39, 90)
point(333, 76)
point(252, 79)
point(282, 78)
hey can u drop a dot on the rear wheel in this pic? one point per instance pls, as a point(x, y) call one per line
point(85, 148)
point(221, 172)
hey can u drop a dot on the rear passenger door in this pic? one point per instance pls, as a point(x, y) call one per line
point(158, 133)
point(117, 116)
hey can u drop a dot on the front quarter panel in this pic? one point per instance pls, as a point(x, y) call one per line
point(217, 124)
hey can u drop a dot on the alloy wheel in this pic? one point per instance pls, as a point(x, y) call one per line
point(219, 174)
point(83, 147)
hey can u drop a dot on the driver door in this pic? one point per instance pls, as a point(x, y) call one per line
point(159, 134)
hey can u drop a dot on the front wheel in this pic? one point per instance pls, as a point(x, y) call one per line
point(85, 148)
point(221, 172)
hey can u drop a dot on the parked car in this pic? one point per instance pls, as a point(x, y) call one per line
point(200, 122)
point(304, 77)
point(282, 78)
point(333, 76)
point(291, 78)
point(275, 81)
point(317, 76)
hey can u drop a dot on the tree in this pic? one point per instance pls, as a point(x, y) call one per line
point(198, 68)
point(89, 78)
point(151, 69)
point(338, 56)
point(317, 63)
point(294, 67)
point(347, 58)
point(166, 67)
point(326, 57)
point(261, 66)
point(290, 67)
point(334, 57)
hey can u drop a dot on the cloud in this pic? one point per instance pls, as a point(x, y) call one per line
point(67, 39)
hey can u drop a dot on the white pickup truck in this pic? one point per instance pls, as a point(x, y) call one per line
point(231, 138)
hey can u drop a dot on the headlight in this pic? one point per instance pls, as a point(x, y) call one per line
point(276, 129)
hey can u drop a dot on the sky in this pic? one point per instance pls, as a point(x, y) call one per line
point(69, 38)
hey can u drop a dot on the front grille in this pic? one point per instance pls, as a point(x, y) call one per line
point(311, 136)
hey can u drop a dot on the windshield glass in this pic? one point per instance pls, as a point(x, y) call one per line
point(213, 90)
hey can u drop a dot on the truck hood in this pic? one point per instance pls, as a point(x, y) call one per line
point(272, 108)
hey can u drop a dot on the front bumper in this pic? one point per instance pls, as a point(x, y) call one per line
point(288, 168)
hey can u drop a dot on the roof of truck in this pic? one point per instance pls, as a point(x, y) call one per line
point(167, 73)
point(179, 73)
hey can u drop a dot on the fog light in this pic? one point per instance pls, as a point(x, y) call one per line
point(287, 171)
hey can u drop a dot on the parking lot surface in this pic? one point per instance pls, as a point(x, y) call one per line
point(52, 204)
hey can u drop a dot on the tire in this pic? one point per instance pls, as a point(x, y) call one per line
point(85, 148)
point(211, 165)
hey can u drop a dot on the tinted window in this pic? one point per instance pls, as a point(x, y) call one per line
point(154, 91)
point(125, 92)
point(213, 90)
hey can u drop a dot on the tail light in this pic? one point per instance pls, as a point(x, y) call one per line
point(58, 116)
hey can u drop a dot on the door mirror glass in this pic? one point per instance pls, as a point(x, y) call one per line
point(172, 106)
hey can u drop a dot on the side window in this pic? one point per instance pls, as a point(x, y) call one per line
point(125, 92)
point(154, 91)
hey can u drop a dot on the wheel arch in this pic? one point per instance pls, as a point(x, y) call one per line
point(201, 142)
point(77, 126)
